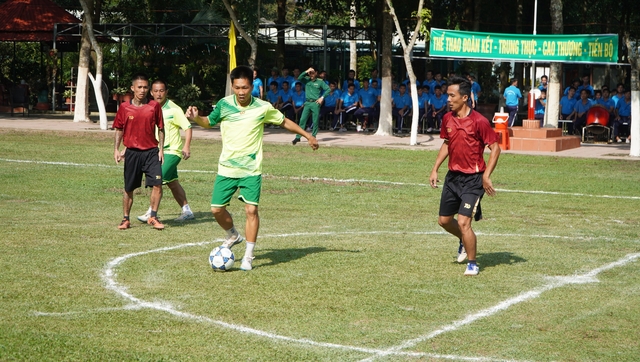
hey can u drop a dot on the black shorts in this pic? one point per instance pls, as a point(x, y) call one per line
point(461, 194)
point(136, 163)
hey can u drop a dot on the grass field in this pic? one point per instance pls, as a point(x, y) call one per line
point(351, 264)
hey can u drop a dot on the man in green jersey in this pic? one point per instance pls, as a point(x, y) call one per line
point(242, 118)
point(174, 148)
point(314, 89)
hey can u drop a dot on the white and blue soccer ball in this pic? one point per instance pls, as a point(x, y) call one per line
point(221, 258)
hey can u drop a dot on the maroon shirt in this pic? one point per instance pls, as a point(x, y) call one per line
point(467, 139)
point(139, 124)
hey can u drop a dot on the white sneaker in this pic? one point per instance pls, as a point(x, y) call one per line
point(309, 129)
point(429, 130)
point(462, 254)
point(246, 263)
point(185, 216)
point(343, 129)
point(144, 218)
point(627, 140)
point(229, 243)
point(472, 270)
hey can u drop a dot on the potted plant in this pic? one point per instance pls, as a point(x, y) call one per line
point(67, 95)
point(119, 94)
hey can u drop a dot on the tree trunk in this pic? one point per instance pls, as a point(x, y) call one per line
point(555, 72)
point(353, 50)
point(245, 36)
point(407, 48)
point(385, 124)
point(97, 81)
point(81, 107)
point(280, 21)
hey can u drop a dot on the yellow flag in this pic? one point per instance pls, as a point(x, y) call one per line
point(232, 47)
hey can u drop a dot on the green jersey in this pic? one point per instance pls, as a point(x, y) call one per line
point(242, 130)
point(174, 121)
point(313, 89)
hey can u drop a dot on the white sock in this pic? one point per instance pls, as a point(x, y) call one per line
point(149, 211)
point(186, 208)
point(250, 246)
point(232, 233)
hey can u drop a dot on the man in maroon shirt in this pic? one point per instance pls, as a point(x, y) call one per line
point(466, 133)
point(135, 126)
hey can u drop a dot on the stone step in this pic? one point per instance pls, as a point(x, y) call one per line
point(551, 144)
point(537, 133)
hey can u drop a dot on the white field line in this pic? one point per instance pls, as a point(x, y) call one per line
point(553, 282)
point(109, 276)
point(329, 179)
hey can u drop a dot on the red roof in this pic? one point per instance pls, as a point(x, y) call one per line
point(31, 20)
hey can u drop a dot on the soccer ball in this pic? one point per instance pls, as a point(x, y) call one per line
point(221, 258)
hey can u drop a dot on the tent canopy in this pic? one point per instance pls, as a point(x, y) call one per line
point(31, 20)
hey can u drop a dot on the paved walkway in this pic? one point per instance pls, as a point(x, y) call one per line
point(59, 122)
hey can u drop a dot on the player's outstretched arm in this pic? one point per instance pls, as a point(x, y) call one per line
point(293, 127)
point(192, 115)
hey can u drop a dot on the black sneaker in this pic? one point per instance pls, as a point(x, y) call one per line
point(295, 140)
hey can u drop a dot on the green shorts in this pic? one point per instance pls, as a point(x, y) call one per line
point(170, 168)
point(225, 187)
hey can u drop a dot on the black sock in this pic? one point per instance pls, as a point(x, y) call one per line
point(126, 217)
point(154, 213)
point(472, 262)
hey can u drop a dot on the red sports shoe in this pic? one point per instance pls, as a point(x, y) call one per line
point(153, 221)
point(124, 224)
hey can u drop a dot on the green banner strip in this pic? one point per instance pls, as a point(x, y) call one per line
point(570, 48)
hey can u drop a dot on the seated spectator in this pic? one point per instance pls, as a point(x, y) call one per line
point(287, 78)
point(608, 103)
point(298, 98)
point(351, 78)
point(323, 75)
point(541, 105)
point(401, 106)
point(619, 93)
point(586, 86)
point(394, 89)
point(580, 109)
point(330, 100)
point(368, 97)
point(544, 80)
point(575, 85)
point(437, 109)
point(567, 103)
point(623, 116)
point(347, 105)
point(430, 82)
point(296, 76)
point(275, 78)
point(273, 95)
point(286, 107)
point(374, 77)
point(423, 103)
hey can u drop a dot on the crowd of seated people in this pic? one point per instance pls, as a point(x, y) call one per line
point(579, 97)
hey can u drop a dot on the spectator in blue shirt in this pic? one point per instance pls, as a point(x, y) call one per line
point(423, 102)
point(258, 88)
point(275, 78)
point(330, 100)
point(351, 78)
point(581, 108)
point(285, 100)
point(297, 100)
point(544, 80)
point(623, 116)
point(567, 104)
point(512, 97)
point(575, 85)
point(475, 91)
point(586, 86)
point(374, 77)
point(347, 104)
point(608, 103)
point(401, 106)
point(437, 109)
point(430, 82)
point(273, 95)
point(287, 78)
point(541, 105)
point(368, 98)
point(620, 93)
